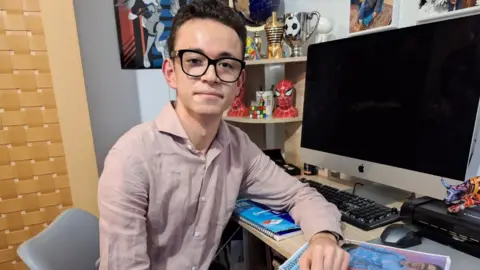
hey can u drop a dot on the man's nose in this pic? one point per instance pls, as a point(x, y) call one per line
point(210, 75)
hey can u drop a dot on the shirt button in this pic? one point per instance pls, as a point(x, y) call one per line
point(203, 198)
point(197, 234)
point(194, 268)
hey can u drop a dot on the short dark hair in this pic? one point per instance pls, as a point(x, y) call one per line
point(216, 10)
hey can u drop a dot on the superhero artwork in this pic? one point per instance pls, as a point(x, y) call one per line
point(462, 196)
point(143, 27)
point(238, 108)
point(284, 94)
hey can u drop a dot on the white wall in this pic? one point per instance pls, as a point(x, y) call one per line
point(153, 93)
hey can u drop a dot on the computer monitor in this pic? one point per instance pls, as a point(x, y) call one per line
point(398, 107)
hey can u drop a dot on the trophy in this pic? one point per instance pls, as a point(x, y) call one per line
point(298, 30)
point(274, 29)
point(255, 14)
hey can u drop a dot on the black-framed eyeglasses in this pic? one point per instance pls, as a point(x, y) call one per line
point(195, 64)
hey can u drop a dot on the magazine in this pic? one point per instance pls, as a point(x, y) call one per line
point(277, 225)
point(366, 256)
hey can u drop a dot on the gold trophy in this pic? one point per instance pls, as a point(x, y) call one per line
point(274, 30)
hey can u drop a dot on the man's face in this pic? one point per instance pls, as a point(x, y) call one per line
point(206, 95)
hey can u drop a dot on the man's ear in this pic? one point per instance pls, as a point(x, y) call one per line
point(168, 70)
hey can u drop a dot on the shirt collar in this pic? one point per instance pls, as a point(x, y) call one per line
point(167, 121)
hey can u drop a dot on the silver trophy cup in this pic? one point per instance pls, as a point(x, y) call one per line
point(298, 30)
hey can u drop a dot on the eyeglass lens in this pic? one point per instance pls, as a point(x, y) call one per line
point(196, 64)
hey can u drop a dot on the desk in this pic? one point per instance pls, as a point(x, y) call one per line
point(287, 247)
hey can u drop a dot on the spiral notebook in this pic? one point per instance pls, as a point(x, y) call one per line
point(366, 256)
point(276, 225)
point(292, 262)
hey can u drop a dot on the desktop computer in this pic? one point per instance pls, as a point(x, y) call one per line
point(399, 108)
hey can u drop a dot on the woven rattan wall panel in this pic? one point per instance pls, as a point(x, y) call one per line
point(34, 186)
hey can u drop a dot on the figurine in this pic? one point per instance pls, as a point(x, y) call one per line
point(274, 30)
point(464, 195)
point(284, 94)
point(267, 98)
point(251, 51)
point(238, 108)
point(258, 43)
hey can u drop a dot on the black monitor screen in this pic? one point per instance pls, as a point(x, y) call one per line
point(406, 98)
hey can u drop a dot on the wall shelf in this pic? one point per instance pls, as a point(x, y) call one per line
point(269, 120)
point(276, 61)
point(274, 133)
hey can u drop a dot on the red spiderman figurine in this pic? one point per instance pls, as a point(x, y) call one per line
point(284, 93)
point(238, 108)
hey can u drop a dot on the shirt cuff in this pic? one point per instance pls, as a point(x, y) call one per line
point(339, 237)
point(310, 231)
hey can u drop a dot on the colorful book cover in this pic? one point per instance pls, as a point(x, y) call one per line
point(276, 222)
point(366, 256)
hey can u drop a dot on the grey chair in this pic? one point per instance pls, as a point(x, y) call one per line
point(70, 242)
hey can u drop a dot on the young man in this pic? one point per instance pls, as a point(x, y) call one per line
point(169, 187)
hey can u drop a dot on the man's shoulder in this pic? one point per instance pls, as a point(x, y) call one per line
point(238, 137)
point(129, 156)
point(139, 140)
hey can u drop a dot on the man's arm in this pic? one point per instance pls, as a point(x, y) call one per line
point(122, 201)
point(267, 183)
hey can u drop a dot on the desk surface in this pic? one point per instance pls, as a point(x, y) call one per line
point(288, 246)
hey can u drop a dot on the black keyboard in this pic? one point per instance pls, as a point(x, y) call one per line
point(357, 211)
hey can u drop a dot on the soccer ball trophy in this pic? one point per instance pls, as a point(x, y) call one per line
point(298, 30)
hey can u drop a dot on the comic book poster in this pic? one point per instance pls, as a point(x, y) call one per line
point(370, 14)
point(143, 27)
point(367, 256)
point(429, 8)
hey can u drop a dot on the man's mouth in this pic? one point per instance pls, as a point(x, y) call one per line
point(210, 94)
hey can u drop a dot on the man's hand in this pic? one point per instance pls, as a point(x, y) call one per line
point(374, 14)
point(324, 253)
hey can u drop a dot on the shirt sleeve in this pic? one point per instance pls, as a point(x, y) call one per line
point(122, 200)
point(268, 184)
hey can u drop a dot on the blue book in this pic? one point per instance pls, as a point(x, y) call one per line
point(277, 225)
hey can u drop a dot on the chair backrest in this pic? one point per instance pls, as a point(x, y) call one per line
point(71, 242)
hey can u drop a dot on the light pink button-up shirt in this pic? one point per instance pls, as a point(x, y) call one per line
point(164, 206)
